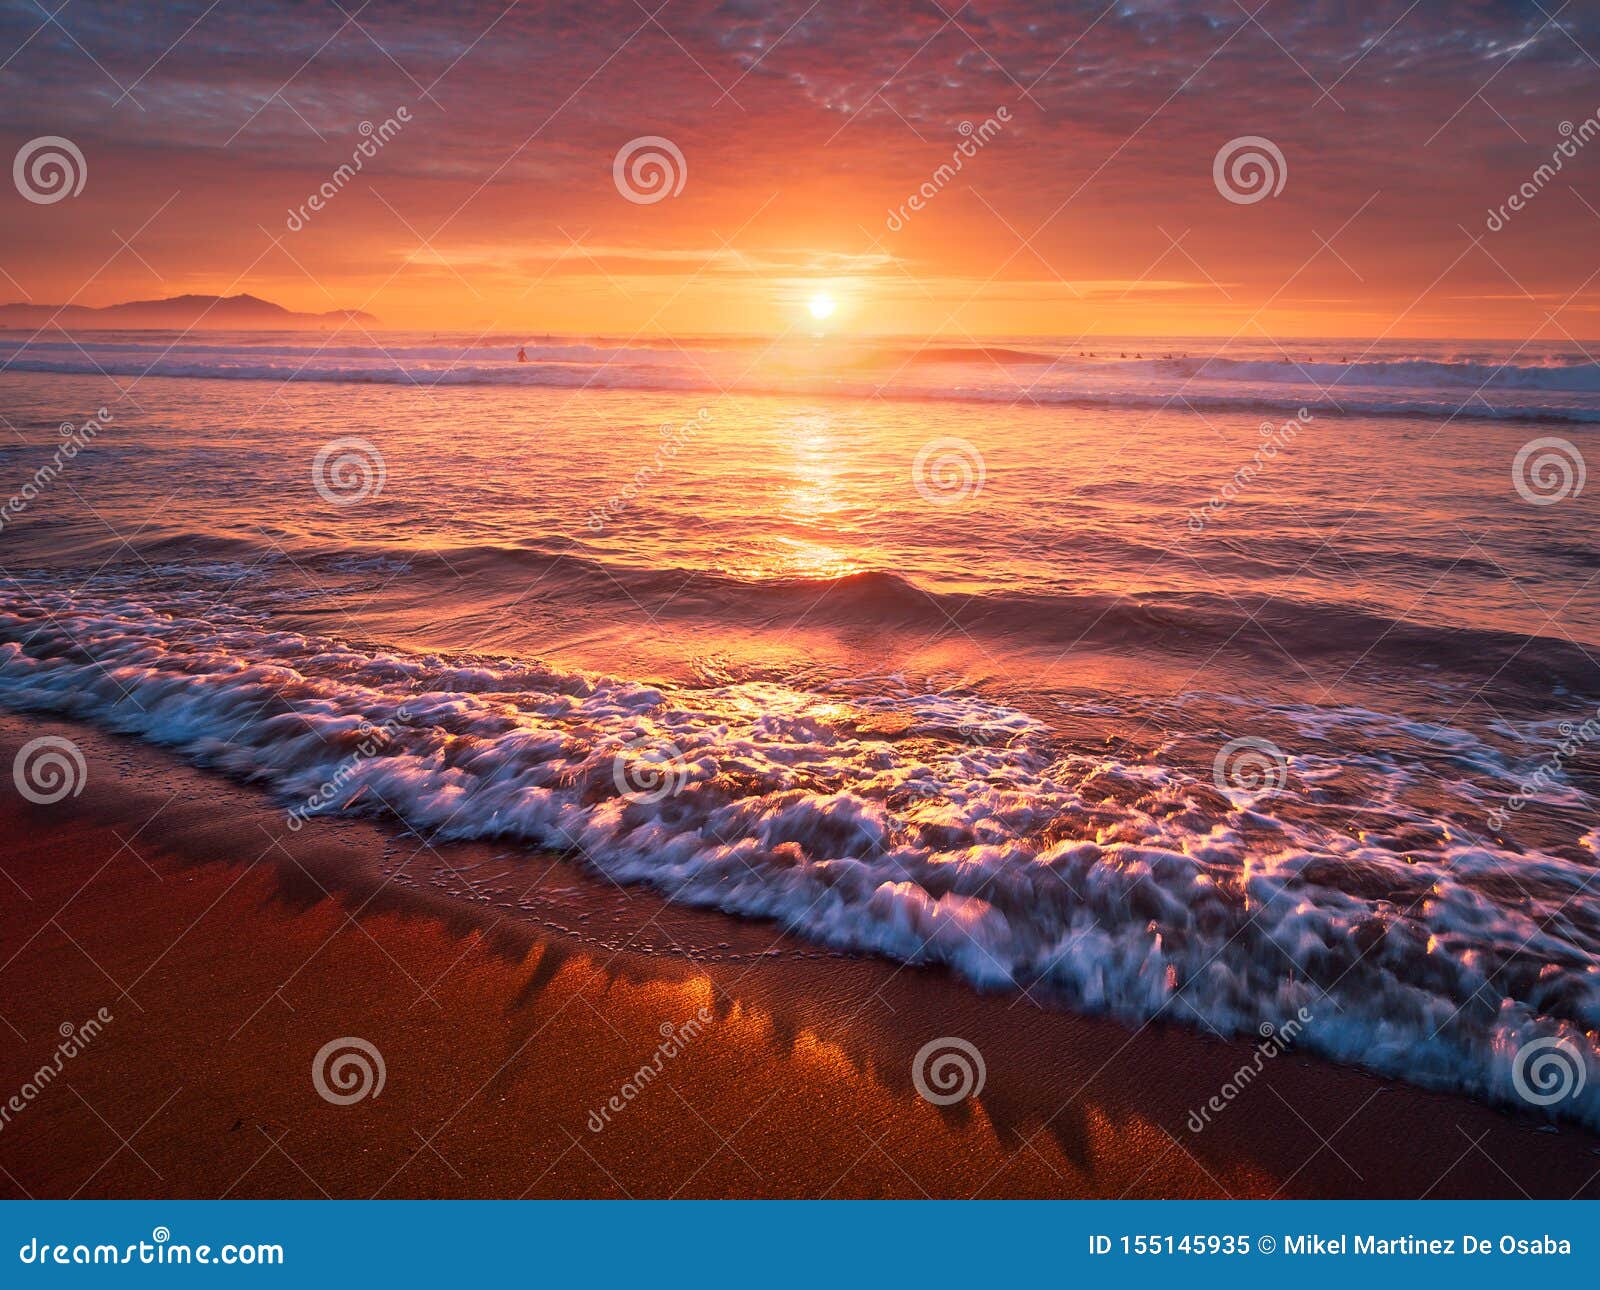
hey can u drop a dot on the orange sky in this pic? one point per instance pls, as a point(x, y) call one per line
point(1091, 208)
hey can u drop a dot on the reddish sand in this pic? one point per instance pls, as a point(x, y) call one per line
point(228, 950)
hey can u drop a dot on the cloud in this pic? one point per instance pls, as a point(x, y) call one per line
point(802, 125)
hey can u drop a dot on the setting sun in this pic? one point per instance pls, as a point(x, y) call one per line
point(821, 305)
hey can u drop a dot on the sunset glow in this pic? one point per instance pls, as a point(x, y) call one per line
point(1090, 211)
point(800, 599)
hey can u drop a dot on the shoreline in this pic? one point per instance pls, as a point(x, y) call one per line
point(510, 994)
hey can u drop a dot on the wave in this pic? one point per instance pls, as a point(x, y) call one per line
point(934, 354)
point(224, 355)
point(1189, 624)
point(929, 827)
point(1408, 373)
point(1472, 388)
point(1166, 622)
point(500, 349)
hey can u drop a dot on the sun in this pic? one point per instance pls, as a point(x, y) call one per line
point(821, 306)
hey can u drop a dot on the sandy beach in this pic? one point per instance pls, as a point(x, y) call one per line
point(228, 950)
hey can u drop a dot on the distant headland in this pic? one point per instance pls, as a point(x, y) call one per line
point(189, 312)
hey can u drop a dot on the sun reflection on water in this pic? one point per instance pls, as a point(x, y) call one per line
point(810, 503)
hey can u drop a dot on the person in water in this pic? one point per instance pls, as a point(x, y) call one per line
point(522, 356)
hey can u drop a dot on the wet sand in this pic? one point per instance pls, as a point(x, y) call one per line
point(511, 994)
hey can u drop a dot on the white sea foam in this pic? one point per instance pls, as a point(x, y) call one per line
point(930, 827)
point(1473, 386)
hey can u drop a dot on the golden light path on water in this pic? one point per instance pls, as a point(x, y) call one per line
point(1045, 690)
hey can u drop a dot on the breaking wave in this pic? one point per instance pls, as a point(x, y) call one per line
point(930, 827)
point(1473, 386)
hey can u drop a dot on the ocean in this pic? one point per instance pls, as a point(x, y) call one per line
point(1250, 688)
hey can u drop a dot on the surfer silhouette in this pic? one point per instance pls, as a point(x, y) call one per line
point(522, 356)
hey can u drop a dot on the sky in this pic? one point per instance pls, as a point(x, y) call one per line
point(1087, 201)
